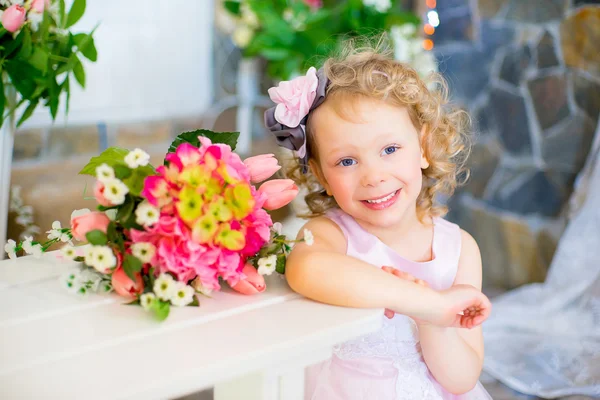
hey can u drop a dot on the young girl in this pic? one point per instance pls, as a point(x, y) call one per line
point(374, 147)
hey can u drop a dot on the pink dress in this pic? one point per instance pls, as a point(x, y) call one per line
point(387, 364)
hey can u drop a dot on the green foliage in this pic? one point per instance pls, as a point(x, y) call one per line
point(228, 138)
point(292, 36)
point(39, 62)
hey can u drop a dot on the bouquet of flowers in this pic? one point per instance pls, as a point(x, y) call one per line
point(289, 34)
point(161, 236)
point(39, 54)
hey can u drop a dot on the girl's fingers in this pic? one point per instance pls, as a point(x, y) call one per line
point(389, 313)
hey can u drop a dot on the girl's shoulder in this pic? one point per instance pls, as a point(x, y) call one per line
point(327, 231)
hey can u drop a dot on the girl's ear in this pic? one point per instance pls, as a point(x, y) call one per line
point(423, 140)
point(315, 168)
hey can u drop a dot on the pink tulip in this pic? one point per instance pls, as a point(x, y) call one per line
point(253, 283)
point(279, 192)
point(13, 18)
point(99, 195)
point(261, 167)
point(40, 5)
point(124, 286)
point(88, 222)
point(314, 4)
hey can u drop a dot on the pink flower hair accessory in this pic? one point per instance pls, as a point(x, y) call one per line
point(295, 100)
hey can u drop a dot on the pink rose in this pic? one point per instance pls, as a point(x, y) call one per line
point(261, 167)
point(124, 286)
point(314, 4)
point(40, 5)
point(99, 195)
point(279, 193)
point(294, 98)
point(13, 18)
point(82, 224)
point(253, 283)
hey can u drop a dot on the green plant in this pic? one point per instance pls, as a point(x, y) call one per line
point(42, 56)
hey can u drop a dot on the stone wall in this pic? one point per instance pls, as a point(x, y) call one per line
point(529, 73)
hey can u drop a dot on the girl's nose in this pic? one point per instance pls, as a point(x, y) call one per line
point(373, 175)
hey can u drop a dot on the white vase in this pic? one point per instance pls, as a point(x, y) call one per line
point(7, 135)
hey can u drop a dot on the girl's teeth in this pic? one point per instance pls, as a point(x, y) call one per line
point(386, 198)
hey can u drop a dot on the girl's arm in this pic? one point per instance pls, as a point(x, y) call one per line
point(323, 272)
point(455, 356)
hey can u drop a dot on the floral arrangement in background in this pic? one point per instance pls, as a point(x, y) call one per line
point(290, 34)
point(161, 236)
point(39, 54)
point(24, 213)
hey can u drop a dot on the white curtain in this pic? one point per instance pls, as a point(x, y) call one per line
point(544, 339)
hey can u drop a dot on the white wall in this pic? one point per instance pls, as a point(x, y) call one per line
point(154, 61)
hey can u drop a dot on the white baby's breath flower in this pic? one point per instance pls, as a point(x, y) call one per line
point(248, 16)
point(164, 286)
point(35, 19)
point(89, 257)
point(37, 250)
point(309, 239)
point(380, 5)
point(69, 252)
point(55, 232)
point(115, 191)
point(104, 259)
point(137, 158)
point(146, 214)
point(200, 288)
point(144, 251)
point(266, 265)
point(27, 244)
point(182, 295)
point(79, 213)
point(146, 300)
point(105, 172)
point(277, 228)
point(11, 249)
point(71, 281)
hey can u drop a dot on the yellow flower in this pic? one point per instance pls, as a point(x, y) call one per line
point(239, 199)
point(219, 210)
point(205, 229)
point(195, 176)
point(230, 239)
point(190, 204)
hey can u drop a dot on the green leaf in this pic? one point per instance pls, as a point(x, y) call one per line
point(111, 156)
point(111, 232)
point(131, 265)
point(280, 266)
point(79, 72)
point(161, 309)
point(13, 45)
point(75, 13)
point(39, 60)
point(87, 47)
point(126, 209)
point(62, 13)
point(96, 237)
point(275, 54)
point(228, 138)
point(122, 171)
point(135, 302)
point(195, 302)
point(26, 48)
point(28, 111)
point(135, 182)
point(23, 76)
point(54, 96)
point(233, 7)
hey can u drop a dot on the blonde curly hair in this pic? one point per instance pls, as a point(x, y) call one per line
point(364, 70)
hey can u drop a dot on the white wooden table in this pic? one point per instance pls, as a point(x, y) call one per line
point(57, 345)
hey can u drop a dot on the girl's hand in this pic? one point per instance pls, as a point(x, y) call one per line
point(465, 307)
point(402, 275)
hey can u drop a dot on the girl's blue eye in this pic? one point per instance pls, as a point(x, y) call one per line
point(347, 162)
point(390, 149)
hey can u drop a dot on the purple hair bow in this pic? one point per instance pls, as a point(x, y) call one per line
point(295, 100)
